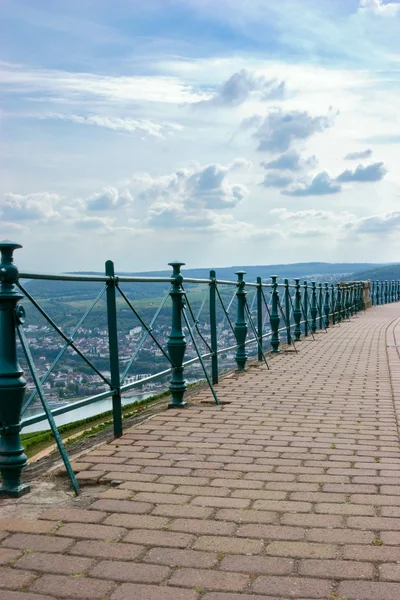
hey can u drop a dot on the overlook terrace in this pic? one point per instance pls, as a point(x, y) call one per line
point(286, 487)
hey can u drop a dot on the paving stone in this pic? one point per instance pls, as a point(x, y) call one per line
point(209, 580)
point(230, 545)
point(122, 506)
point(246, 516)
point(293, 587)
point(98, 532)
point(203, 527)
point(372, 553)
point(73, 515)
point(114, 570)
point(181, 558)
point(230, 596)
point(129, 591)
point(301, 549)
point(368, 590)
point(15, 579)
point(159, 538)
point(9, 595)
point(340, 536)
point(257, 565)
point(99, 549)
point(43, 543)
point(190, 512)
point(336, 569)
point(54, 563)
point(271, 532)
point(7, 555)
point(389, 572)
point(27, 525)
point(136, 521)
point(74, 588)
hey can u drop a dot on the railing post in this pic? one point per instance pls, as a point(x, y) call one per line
point(213, 327)
point(287, 312)
point(12, 383)
point(357, 303)
point(260, 319)
point(398, 291)
point(373, 300)
point(320, 315)
point(177, 342)
point(355, 298)
point(339, 303)
point(333, 304)
point(314, 309)
point(305, 305)
point(350, 292)
point(274, 319)
point(113, 348)
point(346, 301)
point(326, 307)
point(352, 297)
point(241, 323)
point(377, 293)
point(393, 294)
point(386, 292)
point(297, 311)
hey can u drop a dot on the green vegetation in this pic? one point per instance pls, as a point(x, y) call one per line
point(36, 441)
point(387, 273)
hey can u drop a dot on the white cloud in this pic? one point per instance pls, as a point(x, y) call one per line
point(188, 194)
point(359, 155)
point(89, 85)
point(108, 199)
point(242, 86)
point(39, 206)
point(313, 214)
point(379, 224)
point(321, 185)
point(94, 222)
point(374, 172)
point(279, 130)
point(379, 7)
point(277, 179)
point(126, 124)
point(291, 161)
point(7, 227)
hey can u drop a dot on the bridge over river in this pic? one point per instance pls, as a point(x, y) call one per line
point(289, 489)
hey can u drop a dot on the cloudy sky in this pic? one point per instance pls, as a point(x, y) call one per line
point(217, 132)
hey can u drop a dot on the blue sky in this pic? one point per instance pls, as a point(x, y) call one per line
point(218, 132)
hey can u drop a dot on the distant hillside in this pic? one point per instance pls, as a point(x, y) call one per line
point(387, 273)
point(65, 290)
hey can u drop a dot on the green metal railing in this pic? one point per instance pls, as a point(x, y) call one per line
point(383, 292)
point(209, 318)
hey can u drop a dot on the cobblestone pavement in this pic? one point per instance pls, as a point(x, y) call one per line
point(290, 491)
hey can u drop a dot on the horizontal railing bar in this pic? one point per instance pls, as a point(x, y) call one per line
point(132, 279)
point(139, 279)
point(64, 277)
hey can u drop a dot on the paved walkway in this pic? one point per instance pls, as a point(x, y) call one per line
point(291, 491)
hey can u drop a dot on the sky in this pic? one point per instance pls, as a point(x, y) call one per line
point(219, 133)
